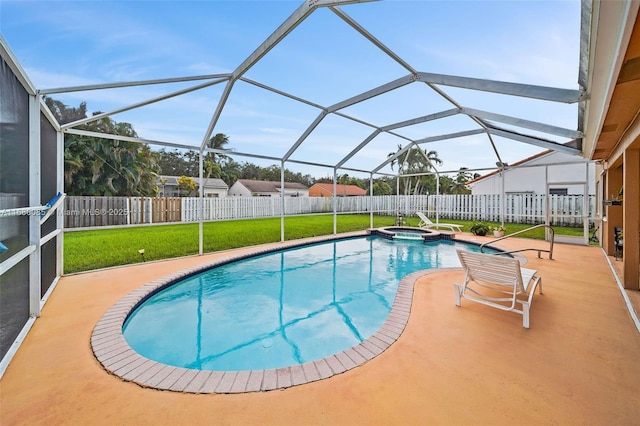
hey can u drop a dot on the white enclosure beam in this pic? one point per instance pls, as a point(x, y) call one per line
point(373, 40)
point(519, 122)
point(514, 89)
point(450, 136)
point(44, 109)
point(350, 169)
point(358, 148)
point(141, 104)
point(305, 134)
point(132, 84)
point(280, 33)
point(281, 93)
point(392, 158)
point(128, 139)
point(299, 15)
point(542, 143)
point(402, 81)
point(16, 68)
point(423, 119)
point(405, 123)
point(495, 149)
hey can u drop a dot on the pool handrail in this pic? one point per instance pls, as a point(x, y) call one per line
point(550, 251)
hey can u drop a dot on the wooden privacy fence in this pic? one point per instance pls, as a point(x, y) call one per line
point(565, 210)
point(81, 212)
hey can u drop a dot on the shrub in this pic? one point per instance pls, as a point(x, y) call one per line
point(479, 228)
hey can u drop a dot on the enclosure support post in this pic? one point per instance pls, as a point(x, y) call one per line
point(437, 197)
point(34, 200)
point(502, 196)
point(335, 201)
point(547, 219)
point(371, 200)
point(282, 205)
point(60, 215)
point(200, 208)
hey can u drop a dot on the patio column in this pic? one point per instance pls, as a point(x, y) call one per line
point(613, 213)
point(631, 218)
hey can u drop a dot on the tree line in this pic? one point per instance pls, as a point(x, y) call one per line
point(95, 166)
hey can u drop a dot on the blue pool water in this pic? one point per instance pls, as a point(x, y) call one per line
point(283, 308)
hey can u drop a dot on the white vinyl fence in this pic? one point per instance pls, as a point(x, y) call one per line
point(565, 210)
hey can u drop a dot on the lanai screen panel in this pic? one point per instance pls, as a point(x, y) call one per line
point(14, 193)
point(48, 189)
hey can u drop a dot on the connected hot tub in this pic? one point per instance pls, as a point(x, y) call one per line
point(411, 233)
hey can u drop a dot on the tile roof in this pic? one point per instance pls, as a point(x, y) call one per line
point(326, 189)
point(270, 186)
point(208, 182)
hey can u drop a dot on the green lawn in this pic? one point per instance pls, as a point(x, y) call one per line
point(101, 248)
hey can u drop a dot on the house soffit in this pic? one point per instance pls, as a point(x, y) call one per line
point(624, 108)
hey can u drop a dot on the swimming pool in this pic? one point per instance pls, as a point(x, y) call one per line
point(283, 308)
point(118, 358)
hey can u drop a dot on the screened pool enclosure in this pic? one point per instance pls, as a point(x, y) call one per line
point(380, 117)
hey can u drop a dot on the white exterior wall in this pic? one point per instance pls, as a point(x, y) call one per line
point(215, 192)
point(528, 179)
point(295, 192)
point(239, 190)
point(267, 194)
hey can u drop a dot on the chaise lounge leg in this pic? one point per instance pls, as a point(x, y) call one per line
point(458, 289)
point(525, 315)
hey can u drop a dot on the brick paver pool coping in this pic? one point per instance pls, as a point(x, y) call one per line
point(119, 359)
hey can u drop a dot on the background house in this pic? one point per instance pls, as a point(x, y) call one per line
point(326, 190)
point(264, 188)
point(565, 174)
point(168, 187)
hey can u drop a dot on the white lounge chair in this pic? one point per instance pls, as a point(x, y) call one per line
point(498, 282)
point(427, 224)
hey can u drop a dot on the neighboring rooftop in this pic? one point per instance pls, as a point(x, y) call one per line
point(326, 190)
point(270, 186)
point(208, 182)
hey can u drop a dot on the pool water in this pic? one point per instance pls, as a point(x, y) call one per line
point(283, 308)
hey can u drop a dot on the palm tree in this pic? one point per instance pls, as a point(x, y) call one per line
point(459, 184)
point(415, 161)
point(98, 166)
point(218, 142)
point(446, 185)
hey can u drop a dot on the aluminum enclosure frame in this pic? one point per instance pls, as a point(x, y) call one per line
point(435, 82)
point(486, 123)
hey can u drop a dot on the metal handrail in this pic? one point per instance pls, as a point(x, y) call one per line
point(550, 251)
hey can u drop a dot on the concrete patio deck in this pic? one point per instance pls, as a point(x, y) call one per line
point(577, 364)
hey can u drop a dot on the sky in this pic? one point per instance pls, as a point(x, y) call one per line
point(323, 60)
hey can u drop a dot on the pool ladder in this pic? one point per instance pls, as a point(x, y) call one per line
point(551, 238)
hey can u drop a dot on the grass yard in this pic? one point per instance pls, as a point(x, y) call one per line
point(102, 248)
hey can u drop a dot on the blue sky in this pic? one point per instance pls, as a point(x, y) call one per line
point(324, 60)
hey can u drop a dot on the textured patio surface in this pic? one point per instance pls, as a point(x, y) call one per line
point(577, 364)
